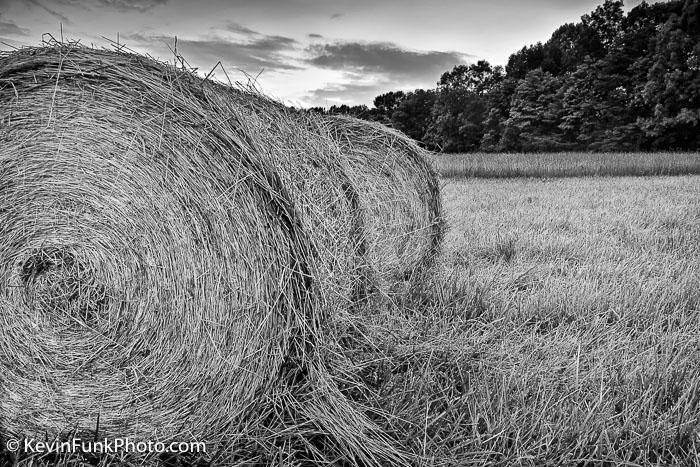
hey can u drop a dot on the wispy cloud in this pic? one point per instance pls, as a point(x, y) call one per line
point(348, 93)
point(384, 60)
point(239, 29)
point(372, 68)
point(128, 5)
point(119, 5)
point(336, 15)
point(63, 18)
point(10, 28)
point(251, 54)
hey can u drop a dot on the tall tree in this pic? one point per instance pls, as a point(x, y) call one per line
point(673, 84)
point(461, 106)
point(498, 102)
point(478, 78)
point(535, 115)
point(413, 114)
point(385, 105)
point(606, 22)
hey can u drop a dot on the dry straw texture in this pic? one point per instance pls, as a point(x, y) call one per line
point(400, 195)
point(311, 166)
point(162, 270)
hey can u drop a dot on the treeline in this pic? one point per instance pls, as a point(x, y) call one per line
point(611, 82)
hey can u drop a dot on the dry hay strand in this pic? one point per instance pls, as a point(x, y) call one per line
point(400, 196)
point(156, 274)
point(310, 165)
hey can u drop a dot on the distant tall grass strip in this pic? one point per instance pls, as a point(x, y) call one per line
point(578, 164)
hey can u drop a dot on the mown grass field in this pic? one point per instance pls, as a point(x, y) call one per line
point(565, 164)
point(563, 328)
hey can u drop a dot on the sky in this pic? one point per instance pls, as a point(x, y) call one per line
point(303, 52)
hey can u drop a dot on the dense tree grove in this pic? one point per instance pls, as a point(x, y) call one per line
point(613, 81)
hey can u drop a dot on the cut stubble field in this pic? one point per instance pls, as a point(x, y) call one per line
point(562, 327)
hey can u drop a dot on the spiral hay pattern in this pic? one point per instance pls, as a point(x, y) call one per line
point(152, 271)
point(400, 195)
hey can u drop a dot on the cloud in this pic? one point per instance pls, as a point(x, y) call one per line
point(348, 93)
point(240, 29)
point(119, 5)
point(384, 60)
point(314, 36)
point(336, 15)
point(251, 55)
point(128, 5)
point(63, 18)
point(10, 28)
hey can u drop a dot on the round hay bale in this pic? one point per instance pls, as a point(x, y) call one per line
point(160, 274)
point(400, 195)
point(147, 261)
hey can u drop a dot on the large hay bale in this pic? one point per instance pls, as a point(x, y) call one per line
point(156, 273)
point(400, 195)
point(144, 267)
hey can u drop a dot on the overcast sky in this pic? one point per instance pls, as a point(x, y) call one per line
point(305, 52)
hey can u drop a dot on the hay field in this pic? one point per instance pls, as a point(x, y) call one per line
point(564, 328)
point(576, 164)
